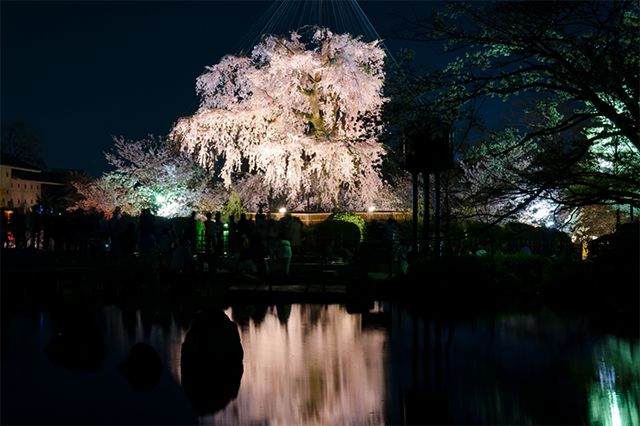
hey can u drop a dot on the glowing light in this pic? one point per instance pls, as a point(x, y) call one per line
point(371, 209)
point(326, 367)
point(282, 210)
point(160, 198)
point(612, 403)
point(171, 209)
point(225, 238)
point(585, 250)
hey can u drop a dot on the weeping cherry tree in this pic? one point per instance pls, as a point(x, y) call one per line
point(297, 119)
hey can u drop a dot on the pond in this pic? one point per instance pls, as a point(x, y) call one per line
point(319, 364)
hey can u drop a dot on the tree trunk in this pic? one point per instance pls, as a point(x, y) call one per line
point(436, 212)
point(426, 191)
point(414, 222)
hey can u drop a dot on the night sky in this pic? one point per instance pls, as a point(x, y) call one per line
point(79, 73)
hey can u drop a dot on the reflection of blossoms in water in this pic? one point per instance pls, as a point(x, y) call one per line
point(614, 402)
point(319, 368)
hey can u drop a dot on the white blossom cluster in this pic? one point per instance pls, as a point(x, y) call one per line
point(148, 174)
point(301, 114)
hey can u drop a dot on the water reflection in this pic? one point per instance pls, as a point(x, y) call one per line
point(516, 369)
point(307, 364)
point(142, 367)
point(77, 342)
point(38, 391)
point(317, 364)
point(614, 396)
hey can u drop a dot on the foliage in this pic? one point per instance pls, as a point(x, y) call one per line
point(301, 114)
point(580, 54)
point(395, 194)
point(21, 142)
point(589, 222)
point(532, 182)
point(99, 195)
point(618, 247)
point(350, 217)
point(343, 235)
point(466, 237)
point(575, 66)
point(150, 174)
point(615, 269)
point(491, 183)
point(59, 198)
point(232, 207)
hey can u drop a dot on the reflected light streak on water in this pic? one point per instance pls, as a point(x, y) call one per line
point(318, 368)
point(167, 342)
point(314, 364)
point(611, 403)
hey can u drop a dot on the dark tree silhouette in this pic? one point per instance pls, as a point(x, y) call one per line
point(581, 54)
point(21, 142)
point(574, 65)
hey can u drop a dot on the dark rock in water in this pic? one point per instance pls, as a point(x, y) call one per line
point(142, 367)
point(211, 362)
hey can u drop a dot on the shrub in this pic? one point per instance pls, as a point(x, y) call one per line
point(233, 207)
point(344, 234)
point(350, 217)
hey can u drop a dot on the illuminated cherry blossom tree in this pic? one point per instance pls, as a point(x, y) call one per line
point(97, 195)
point(149, 173)
point(300, 115)
point(574, 65)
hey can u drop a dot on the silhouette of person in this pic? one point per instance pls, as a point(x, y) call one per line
point(115, 231)
point(259, 254)
point(191, 232)
point(147, 231)
point(245, 226)
point(129, 239)
point(219, 234)
point(232, 236)
point(283, 254)
point(525, 249)
point(294, 231)
point(209, 234)
point(181, 257)
point(261, 218)
point(245, 261)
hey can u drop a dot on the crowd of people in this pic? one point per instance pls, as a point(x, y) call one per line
point(257, 244)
